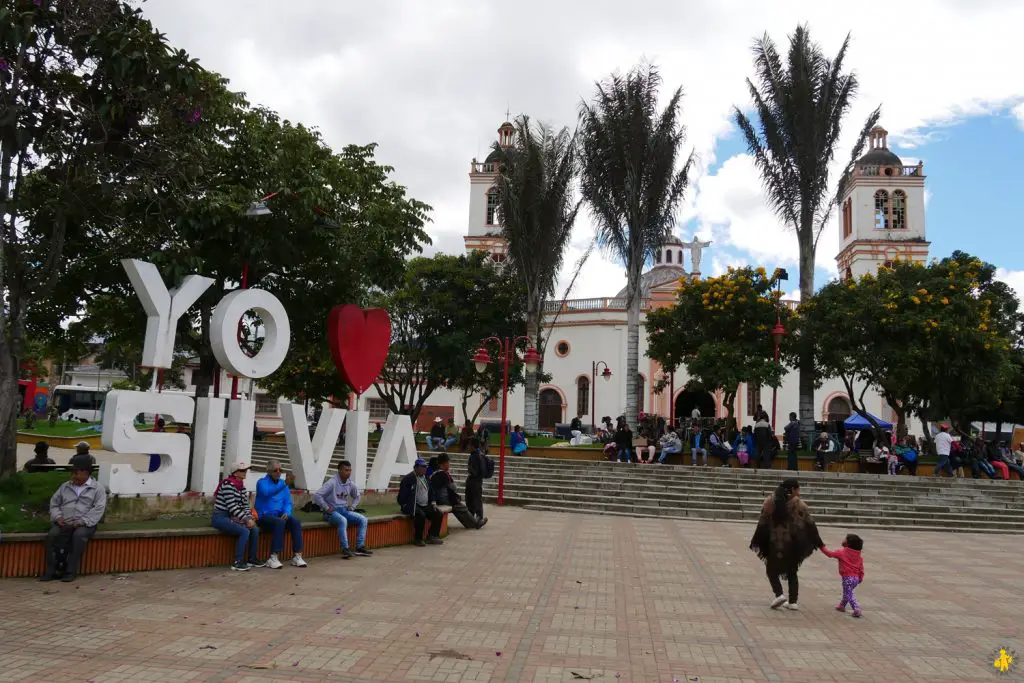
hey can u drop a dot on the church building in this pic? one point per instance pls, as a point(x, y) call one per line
point(881, 220)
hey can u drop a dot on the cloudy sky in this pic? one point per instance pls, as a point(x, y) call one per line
point(431, 81)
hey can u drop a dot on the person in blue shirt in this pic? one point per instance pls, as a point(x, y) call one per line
point(518, 442)
point(274, 511)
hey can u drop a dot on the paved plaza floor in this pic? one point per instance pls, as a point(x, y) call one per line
point(537, 597)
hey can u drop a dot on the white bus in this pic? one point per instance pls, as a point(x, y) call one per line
point(79, 404)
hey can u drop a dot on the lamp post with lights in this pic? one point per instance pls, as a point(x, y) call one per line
point(607, 374)
point(531, 359)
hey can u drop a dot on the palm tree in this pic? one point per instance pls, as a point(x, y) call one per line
point(800, 107)
point(632, 184)
point(538, 210)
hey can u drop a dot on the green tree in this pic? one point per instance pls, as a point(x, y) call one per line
point(935, 340)
point(633, 183)
point(800, 107)
point(440, 314)
point(538, 211)
point(98, 113)
point(720, 330)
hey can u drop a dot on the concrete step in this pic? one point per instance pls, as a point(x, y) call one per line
point(846, 526)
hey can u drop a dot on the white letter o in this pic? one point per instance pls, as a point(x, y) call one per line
point(224, 333)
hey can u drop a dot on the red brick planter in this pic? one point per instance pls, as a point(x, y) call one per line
point(133, 551)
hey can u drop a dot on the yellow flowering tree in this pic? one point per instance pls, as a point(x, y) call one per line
point(720, 330)
point(933, 340)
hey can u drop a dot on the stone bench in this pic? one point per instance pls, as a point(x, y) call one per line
point(23, 555)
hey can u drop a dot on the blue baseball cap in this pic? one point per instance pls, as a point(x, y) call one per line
point(420, 463)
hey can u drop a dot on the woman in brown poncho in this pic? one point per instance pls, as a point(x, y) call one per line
point(785, 537)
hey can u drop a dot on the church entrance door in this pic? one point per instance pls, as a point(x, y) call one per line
point(550, 410)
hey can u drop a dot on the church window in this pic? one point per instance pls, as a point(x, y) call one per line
point(583, 396)
point(881, 210)
point(562, 349)
point(847, 218)
point(668, 257)
point(680, 257)
point(899, 210)
point(492, 206)
point(753, 398)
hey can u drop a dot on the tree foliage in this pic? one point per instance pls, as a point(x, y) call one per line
point(720, 330)
point(440, 315)
point(800, 106)
point(97, 119)
point(633, 183)
point(538, 210)
point(933, 340)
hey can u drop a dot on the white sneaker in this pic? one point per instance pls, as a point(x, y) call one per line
point(273, 562)
point(778, 601)
point(792, 606)
point(297, 561)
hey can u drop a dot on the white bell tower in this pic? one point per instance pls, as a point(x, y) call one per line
point(881, 211)
point(484, 232)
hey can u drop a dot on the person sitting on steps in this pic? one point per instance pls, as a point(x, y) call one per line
point(416, 498)
point(435, 442)
point(76, 507)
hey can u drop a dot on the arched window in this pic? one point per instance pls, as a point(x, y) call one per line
point(668, 257)
point(839, 409)
point(847, 218)
point(640, 393)
point(899, 210)
point(881, 210)
point(680, 257)
point(583, 396)
point(492, 206)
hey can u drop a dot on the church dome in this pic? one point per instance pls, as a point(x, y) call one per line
point(879, 157)
point(656, 277)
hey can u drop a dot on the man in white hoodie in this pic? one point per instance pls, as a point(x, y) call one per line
point(338, 499)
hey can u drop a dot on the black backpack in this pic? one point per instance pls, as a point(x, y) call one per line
point(488, 466)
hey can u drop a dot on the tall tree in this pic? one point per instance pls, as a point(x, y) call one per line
point(538, 210)
point(632, 182)
point(439, 315)
point(98, 114)
point(800, 107)
point(720, 330)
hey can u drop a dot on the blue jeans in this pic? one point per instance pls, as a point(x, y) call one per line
point(246, 536)
point(667, 451)
point(943, 464)
point(435, 444)
point(450, 441)
point(791, 463)
point(625, 454)
point(341, 519)
point(277, 527)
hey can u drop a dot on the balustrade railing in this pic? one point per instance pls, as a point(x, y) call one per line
point(917, 170)
point(483, 167)
point(614, 304)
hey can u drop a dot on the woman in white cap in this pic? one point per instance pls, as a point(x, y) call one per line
point(232, 515)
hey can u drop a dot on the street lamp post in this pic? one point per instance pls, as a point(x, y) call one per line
point(531, 359)
point(607, 374)
point(778, 333)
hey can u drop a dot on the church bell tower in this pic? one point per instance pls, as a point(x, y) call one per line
point(484, 233)
point(881, 211)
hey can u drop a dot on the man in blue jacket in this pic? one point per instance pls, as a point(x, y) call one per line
point(274, 508)
point(416, 498)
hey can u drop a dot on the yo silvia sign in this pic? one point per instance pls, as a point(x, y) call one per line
point(359, 343)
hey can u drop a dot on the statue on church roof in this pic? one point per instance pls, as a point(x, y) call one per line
point(696, 246)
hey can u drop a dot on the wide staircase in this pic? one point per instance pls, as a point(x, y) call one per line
point(712, 493)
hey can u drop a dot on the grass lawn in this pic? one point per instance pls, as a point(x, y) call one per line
point(62, 428)
point(25, 503)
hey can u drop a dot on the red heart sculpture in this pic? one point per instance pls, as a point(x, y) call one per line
point(359, 343)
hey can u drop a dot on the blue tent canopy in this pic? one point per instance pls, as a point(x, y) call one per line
point(857, 422)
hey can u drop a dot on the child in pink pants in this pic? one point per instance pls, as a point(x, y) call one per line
point(851, 569)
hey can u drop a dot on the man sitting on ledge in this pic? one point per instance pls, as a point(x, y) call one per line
point(75, 509)
point(416, 498)
point(338, 498)
point(274, 507)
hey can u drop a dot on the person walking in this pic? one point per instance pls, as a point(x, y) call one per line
point(479, 467)
point(943, 446)
point(785, 536)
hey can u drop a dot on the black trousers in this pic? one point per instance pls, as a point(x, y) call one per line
point(794, 583)
point(72, 540)
point(465, 517)
point(475, 497)
point(419, 521)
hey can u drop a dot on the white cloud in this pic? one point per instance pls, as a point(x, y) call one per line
point(1018, 113)
point(431, 81)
